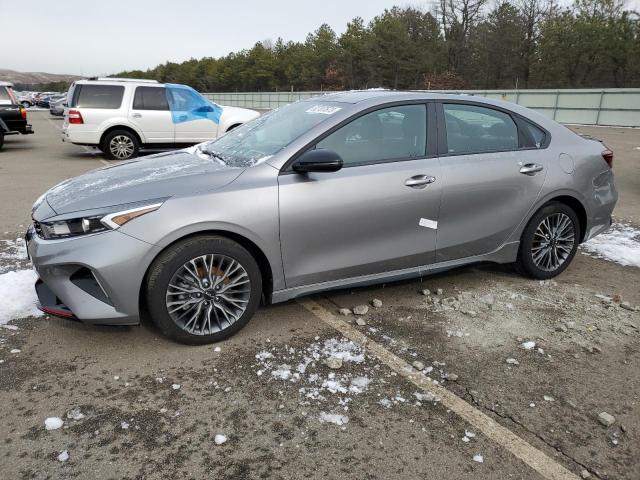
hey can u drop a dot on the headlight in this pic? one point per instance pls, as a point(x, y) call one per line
point(91, 224)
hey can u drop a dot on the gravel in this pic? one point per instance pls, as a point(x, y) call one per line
point(606, 419)
point(360, 310)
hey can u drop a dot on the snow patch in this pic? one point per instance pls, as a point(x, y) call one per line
point(219, 439)
point(334, 418)
point(53, 423)
point(18, 286)
point(64, 456)
point(619, 244)
point(528, 345)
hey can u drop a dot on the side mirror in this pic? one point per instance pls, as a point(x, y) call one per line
point(203, 109)
point(318, 160)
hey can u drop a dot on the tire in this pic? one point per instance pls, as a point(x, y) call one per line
point(549, 242)
point(120, 145)
point(25, 104)
point(1, 139)
point(173, 297)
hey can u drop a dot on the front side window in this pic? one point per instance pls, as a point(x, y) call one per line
point(473, 129)
point(98, 96)
point(150, 98)
point(392, 133)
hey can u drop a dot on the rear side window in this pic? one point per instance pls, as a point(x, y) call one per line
point(394, 133)
point(533, 137)
point(150, 98)
point(98, 96)
point(473, 129)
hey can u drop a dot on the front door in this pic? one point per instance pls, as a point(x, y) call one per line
point(492, 174)
point(195, 119)
point(378, 214)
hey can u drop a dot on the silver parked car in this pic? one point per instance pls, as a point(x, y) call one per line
point(56, 105)
point(346, 189)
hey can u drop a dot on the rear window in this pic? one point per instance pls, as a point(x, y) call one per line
point(150, 98)
point(98, 96)
point(4, 96)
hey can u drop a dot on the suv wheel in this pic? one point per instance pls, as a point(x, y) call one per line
point(1, 139)
point(25, 104)
point(120, 145)
point(203, 289)
point(549, 242)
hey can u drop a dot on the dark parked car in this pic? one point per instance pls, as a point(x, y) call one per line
point(13, 116)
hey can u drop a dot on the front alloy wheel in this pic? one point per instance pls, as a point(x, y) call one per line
point(203, 289)
point(208, 294)
point(549, 241)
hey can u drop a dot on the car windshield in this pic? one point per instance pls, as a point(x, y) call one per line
point(258, 140)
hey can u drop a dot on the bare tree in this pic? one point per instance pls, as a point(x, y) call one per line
point(458, 17)
point(533, 13)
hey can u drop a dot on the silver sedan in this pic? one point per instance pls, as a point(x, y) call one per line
point(340, 190)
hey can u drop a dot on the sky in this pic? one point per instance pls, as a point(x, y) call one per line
point(96, 37)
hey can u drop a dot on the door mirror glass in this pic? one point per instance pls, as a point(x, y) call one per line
point(318, 160)
point(203, 109)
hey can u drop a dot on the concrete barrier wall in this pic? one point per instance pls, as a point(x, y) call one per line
point(609, 106)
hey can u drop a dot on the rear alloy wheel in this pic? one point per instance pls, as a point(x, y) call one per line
point(120, 145)
point(549, 241)
point(203, 289)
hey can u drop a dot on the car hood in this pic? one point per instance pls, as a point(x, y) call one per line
point(152, 177)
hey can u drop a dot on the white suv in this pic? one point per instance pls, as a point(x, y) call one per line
point(121, 115)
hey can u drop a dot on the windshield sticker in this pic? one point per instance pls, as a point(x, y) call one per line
point(323, 109)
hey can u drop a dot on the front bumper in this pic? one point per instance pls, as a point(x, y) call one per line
point(94, 278)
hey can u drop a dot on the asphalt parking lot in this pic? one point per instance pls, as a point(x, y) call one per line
point(447, 384)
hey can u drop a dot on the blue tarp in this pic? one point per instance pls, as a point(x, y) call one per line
point(187, 105)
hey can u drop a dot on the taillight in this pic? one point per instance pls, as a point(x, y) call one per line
point(23, 113)
point(75, 117)
point(608, 157)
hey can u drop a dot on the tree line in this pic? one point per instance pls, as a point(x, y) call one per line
point(454, 44)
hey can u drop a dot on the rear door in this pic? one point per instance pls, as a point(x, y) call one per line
point(492, 173)
point(97, 104)
point(151, 115)
point(377, 214)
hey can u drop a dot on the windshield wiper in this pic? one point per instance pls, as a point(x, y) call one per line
point(212, 154)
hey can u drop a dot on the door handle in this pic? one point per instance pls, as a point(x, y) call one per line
point(419, 181)
point(137, 115)
point(531, 169)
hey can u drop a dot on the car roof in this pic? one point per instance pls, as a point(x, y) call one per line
point(6, 84)
point(357, 96)
point(111, 80)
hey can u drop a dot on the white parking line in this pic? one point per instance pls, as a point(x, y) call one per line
point(536, 459)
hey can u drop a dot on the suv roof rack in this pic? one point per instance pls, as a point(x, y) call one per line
point(115, 79)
